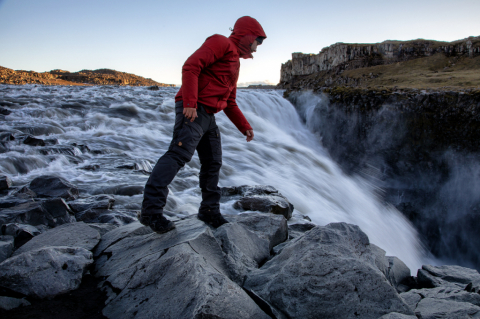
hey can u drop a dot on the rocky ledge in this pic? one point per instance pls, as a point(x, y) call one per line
point(417, 63)
point(83, 77)
point(258, 265)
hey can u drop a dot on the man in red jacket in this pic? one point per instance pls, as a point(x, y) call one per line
point(209, 85)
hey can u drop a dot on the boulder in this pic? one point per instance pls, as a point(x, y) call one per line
point(266, 204)
point(114, 236)
point(429, 308)
point(92, 202)
point(53, 186)
point(115, 217)
point(397, 272)
point(180, 283)
point(21, 232)
point(68, 235)
point(297, 230)
point(329, 272)
point(51, 212)
point(33, 141)
point(5, 183)
point(272, 228)
point(6, 247)
point(441, 276)
point(412, 297)
point(46, 272)
point(125, 190)
point(8, 303)
point(244, 250)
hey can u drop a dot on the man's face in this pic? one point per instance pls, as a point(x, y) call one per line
point(253, 46)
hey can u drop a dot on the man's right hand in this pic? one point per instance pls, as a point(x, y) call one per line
point(249, 134)
point(190, 113)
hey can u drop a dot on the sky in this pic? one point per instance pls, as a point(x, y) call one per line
point(153, 38)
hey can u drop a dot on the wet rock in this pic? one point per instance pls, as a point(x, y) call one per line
point(93, 167)
point(4, 111)
point(7, 202)
point(51, 212)
point(329, 272)
point(125, 190)
point(25, 192)
point(246, 190)
point(40, 129)
point(272, 228)
point(6, 137)
point(53, 186)
point(64, 150)
point(8, 303)
point(21, 232)
point(244, 250)
point(3, 147)
point(154, 88)
point(6, 247)
point(46, 272)
point(115, 217)
point(33, 141)
point(5, 183)
point(429, 308)
point(265, 204)
point(196, 289)
point(443, 276)
point(68, 235)
point(92, 202)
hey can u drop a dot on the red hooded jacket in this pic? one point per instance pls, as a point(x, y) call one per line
point(210, 74)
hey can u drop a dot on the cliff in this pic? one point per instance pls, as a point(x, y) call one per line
point(417, 63)
point(83, 77)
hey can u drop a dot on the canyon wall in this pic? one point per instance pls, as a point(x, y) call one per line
point(339, 57)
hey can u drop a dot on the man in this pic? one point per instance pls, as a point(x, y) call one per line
point(209, 85)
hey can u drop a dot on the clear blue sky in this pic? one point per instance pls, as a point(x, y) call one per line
point(153, 38)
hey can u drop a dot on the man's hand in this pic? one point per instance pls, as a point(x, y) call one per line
point(190, 113)
point(249, 134)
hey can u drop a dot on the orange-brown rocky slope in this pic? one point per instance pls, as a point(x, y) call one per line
point(83, 77)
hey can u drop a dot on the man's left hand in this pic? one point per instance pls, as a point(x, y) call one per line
point(249, 134)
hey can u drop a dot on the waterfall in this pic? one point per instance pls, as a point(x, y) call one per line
point(117, 126)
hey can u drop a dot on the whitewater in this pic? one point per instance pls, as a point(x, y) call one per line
point(124, 130)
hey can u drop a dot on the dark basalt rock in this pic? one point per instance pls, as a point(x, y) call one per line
point(52, 186)
point(5, 183)
point(93, 167)
point(4, 111)
point(20, 232)
point(6, 137)
point(265, 204)
point(92, 202)
point(125, 190)
point(33, 141)
point(51, 212)
point(6, 247)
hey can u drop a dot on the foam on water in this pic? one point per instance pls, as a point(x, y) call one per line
point(134, 125)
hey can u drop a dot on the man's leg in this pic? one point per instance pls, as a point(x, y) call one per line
point(186, 136)
point(210, 153)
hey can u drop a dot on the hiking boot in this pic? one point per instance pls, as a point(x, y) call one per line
point(213, 219)
point(157, 222)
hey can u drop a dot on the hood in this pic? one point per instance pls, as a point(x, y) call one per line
point(245, 31)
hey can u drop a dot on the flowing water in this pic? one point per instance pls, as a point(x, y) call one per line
point(132, 126)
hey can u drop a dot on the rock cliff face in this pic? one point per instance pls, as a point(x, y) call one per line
point(335, 59)
point(83, 77)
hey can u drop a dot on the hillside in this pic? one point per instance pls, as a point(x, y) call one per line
point(83, 77)
point(420, 64)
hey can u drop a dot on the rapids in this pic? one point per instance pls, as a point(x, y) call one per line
point(132, 126)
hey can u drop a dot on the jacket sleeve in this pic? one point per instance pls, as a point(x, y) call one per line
point(210, 51)
point(234, 113)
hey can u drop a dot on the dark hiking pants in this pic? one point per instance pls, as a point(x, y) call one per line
point(201, 135)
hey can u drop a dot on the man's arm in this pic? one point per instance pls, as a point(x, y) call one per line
point(236, 116)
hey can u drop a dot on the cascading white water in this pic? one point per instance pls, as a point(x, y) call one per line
point(134, 125)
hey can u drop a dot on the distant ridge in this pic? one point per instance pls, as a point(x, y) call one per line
point(83, 77)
